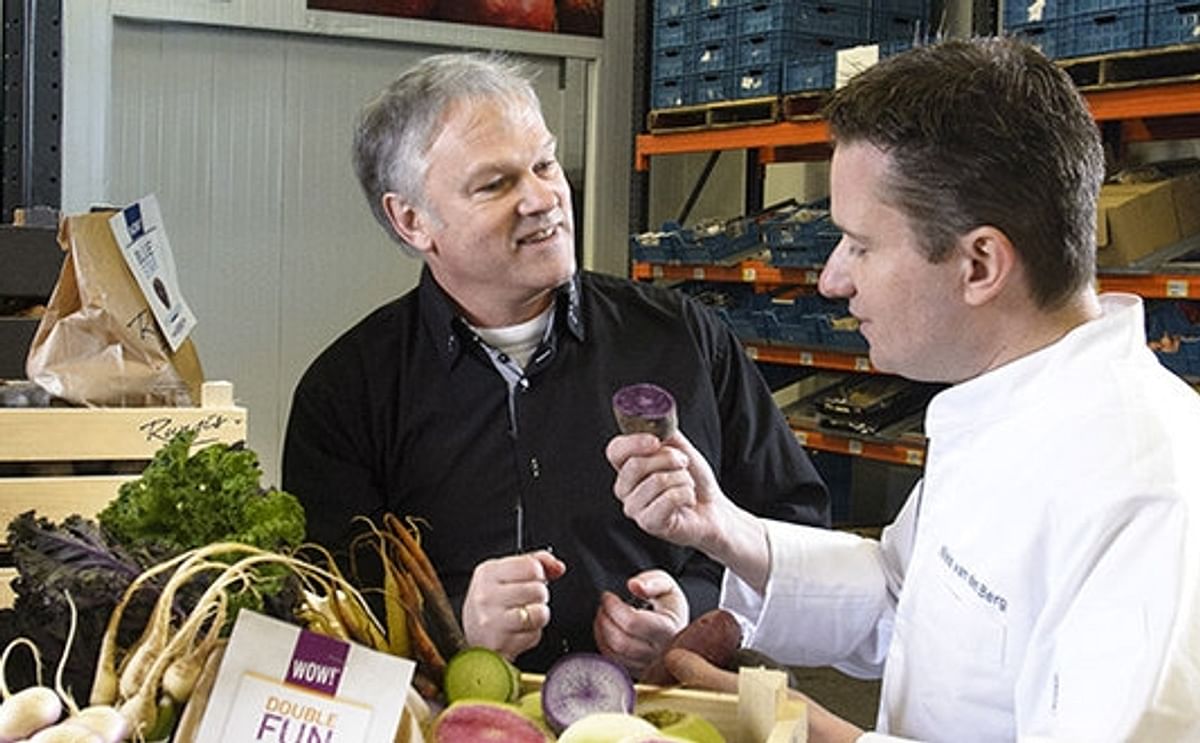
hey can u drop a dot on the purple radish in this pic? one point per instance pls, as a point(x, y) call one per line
point(645, 408)
point(579, 684)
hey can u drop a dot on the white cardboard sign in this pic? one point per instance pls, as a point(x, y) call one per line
point(278, 682)
point(142, 237)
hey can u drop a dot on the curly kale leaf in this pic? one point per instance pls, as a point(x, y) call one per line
point(183, 501)
point(73, 556)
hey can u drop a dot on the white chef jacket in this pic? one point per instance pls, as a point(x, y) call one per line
point(1040, 582)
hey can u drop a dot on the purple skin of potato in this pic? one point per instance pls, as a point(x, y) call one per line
point(645, 408)
point(579, 684)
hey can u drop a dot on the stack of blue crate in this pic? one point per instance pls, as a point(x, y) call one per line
point(1078, 28)
point(1173, 22)
point(670, 66)
point(773, 32)
point(706, 242)
point(745, 311)
point(804, 236)
point(1173, 332)
point(812, 320)
point(895, 25)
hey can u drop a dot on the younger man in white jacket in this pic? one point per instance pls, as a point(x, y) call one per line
point(1041, 581)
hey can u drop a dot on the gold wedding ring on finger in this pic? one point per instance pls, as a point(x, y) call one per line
point(526, 618)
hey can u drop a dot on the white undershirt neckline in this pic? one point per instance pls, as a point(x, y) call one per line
point(517, 342)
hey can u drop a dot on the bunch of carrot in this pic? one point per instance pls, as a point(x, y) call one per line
point(421, 623)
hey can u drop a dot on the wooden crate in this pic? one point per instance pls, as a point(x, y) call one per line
point(761, 711)
point(63, 461)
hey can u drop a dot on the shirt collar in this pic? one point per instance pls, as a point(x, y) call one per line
point(452, 334)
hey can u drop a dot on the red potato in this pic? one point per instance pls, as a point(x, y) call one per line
point(485, 721)
point(534, 15)
point(714, 636)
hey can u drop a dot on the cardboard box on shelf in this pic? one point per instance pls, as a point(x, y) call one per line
point(1136, 219)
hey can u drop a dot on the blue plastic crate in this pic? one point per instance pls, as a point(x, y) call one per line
point(834, 20)
point(1173, 23)
point(664, 9)
point(748, 324)
point(842, 332)
point(670, 92)
point(713, 56)
point(765, 17)
point(1109, 31)
point(904, 7)
point(711, 87)
point(1049, 37)
point(1024, 12)
point(888, 47)
point(671, 62)
point(716, 25)
point(892, 25)
point(810, 72)
point(674, 32)
point(764, 49)
point(757, 81)
point(1090, 7)
point(802, 256)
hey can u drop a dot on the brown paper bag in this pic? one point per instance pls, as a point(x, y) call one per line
point(98, 343)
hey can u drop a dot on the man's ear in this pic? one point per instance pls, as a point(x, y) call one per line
point(989, 262)
point(408, 221)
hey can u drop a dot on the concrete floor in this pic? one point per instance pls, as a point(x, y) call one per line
point(845, 696)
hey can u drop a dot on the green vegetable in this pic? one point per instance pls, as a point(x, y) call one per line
point(181, 502)
point(481, 674)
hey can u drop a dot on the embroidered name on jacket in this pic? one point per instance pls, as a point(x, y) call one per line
point(977, 586)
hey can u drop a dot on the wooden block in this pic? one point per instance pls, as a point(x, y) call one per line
point(761, 692)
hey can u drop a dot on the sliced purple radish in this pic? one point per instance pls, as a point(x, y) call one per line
point(645, 408)
point(580, 684)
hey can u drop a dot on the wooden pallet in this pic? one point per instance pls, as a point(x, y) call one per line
point(1135, 67)
point(804, 106)
point(717, 115)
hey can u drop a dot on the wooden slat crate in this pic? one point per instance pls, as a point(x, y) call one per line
point(761, 711)
point(63, 461)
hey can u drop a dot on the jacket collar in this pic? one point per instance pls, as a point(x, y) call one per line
point(453, 336)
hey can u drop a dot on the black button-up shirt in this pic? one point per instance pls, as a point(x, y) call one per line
point(406, 413)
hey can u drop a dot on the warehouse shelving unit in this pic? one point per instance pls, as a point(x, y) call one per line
point(1132, 113)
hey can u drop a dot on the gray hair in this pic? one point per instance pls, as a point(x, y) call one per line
point(397, 127)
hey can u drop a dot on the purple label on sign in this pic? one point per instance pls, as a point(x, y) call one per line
point(317, 662)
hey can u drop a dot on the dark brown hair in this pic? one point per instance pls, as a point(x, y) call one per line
point(984, 132)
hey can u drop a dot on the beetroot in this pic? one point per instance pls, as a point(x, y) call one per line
point(580, 684)
point(645, 408)
point(479, 721)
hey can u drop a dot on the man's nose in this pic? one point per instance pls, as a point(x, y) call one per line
point(537, 195)
point(834, 281)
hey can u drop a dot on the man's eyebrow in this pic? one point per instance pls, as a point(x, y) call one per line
point(845, 230)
